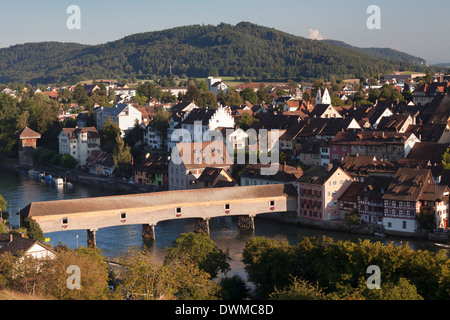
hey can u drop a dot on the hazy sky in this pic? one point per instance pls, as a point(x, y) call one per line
point(420, 28)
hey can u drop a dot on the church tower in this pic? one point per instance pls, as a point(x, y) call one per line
point(318, 97)
point(326, 98)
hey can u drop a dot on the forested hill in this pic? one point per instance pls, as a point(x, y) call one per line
point(384, 53)
point(245, 49)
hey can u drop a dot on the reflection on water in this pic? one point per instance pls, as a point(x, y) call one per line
point(19, 189)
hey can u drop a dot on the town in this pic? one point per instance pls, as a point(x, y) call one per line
point(375, 152)
point(358, 152)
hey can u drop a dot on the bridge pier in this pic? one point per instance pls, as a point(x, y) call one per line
point(246, 222)
point(201, 226)
point(148, 232)
point(91, 238)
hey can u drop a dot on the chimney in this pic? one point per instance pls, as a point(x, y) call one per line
point(329, 167)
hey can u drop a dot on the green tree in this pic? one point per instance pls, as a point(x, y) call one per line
point(4, 214)
point(246, 120)
point(427, 218)
point(233, 288)
point(248, 94)
point(34, 231)
point(446, 159)
point(108, 136)
point(200, 250)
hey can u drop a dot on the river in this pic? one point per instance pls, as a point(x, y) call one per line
point(19, 189)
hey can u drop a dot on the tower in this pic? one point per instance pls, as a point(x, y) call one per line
point(318, 97)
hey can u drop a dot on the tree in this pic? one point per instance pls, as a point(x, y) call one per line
point(207, 100)
point(446, 159)
point(248, 94)
point(246, 120)
point(93, 275)
point(192, 94)
point(4, 214)
point(234, 288)
point(108, 136)
point(427, 218)
point(122, 158)
point(34, 231)
point(68, 162)
point(200, 250)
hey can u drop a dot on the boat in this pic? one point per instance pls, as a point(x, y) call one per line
point(379, 234)
point(442, 245)
point(58, 181)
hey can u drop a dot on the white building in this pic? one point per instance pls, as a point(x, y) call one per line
point(123, 114)
point(79, 142)
point(323, 99)
point(216, 84)
point(199, 125)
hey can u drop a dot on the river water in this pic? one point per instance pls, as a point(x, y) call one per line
point(19, 189)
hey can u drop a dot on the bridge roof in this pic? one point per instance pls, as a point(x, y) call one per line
point(143, 200)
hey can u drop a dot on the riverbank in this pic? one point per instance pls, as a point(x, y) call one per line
point(75, 176)
point(363, 229)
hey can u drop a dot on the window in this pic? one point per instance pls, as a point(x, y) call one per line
point(404, 225)
point(123, 215)
point(178, 210)
point(272, 203)
point(65, 220)
point(389, 224)
point(227, 206)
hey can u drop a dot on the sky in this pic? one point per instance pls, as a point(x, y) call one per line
point(417, 27)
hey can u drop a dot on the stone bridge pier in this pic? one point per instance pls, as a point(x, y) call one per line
point(91, 238)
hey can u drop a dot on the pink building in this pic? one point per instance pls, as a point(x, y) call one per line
point(319, 190)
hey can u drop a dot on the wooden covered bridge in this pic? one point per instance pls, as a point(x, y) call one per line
point(150, 208)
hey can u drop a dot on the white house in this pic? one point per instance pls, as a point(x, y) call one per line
point(79, 142)
point(16, 244)
point(123, 114)
point(216, 84)
point(200, 124)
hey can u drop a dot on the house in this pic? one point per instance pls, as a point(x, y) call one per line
point(309, 153)
point(429, 151)
point(100, 163)
point(179, 111)
point(216, 84)
point(253, 175)
point(215, 178)
point(200, 124)
point(324, 111)
point(396, 123)
point(28, 143)
point(153, 138)
point(348, 201)
point(411, 191)
point(379, 110)
point(122, 114)
point(390, 146)
point(319, 189)
point(370, 199)
point(18, 245)
point(79, 142)
point(428, 91)
point(189, 160)
point(238, 138)
point(152, 171)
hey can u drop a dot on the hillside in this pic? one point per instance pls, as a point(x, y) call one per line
point(245, 49)
point(383, 53)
